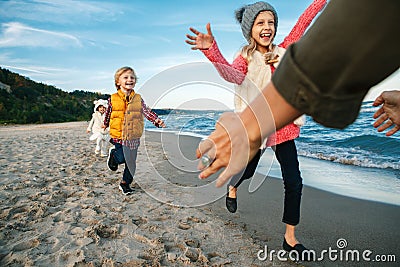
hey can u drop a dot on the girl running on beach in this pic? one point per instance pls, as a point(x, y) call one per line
point(125, 116)
point(255, 64)
point(95, 126)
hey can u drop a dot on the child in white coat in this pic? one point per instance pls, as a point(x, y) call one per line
point(99, 134)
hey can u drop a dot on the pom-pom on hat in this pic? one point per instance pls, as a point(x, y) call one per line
point(248, 13)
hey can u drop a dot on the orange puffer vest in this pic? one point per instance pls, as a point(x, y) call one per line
point(126, 121)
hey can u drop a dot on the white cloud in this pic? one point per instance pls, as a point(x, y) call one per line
point(24, 69)
point(34, 69)
point(65, 11)
point(16, 34)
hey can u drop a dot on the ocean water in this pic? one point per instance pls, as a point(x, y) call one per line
point(359, 144)
point(370, 159)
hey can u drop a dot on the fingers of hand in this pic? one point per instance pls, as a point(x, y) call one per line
point(394, 130)
point(380, 119)
point(233, 168)
point(208, 27)
point(193, 44)
point(204, 146)
point(191, 37)
point(208, 147)
point(206, 153)
point(223, 178)
point(211, 169)
point(378, 113)
point(378, 101)
point(385, 125)
point(190, 42)
point(229, 136)
point(194, 31)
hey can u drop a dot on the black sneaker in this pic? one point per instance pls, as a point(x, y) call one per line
point(125, 188)
point(112, 165)
point(302, 253)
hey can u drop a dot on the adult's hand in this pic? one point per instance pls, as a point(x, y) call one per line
point(388, 114)
point(228, 146)
point(238, 136)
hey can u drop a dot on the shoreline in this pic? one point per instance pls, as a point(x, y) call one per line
point(345, 180)
point(333, 177)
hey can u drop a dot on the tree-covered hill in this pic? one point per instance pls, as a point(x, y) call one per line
point(25, 101)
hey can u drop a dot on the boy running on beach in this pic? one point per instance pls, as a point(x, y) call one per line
point(125, 116)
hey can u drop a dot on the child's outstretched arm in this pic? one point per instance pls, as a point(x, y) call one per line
point(303, 22)
point(152, 116)
point(234, 73)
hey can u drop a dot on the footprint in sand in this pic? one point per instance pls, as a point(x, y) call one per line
point(18, 212)
point(139, 220)
point(184, 226)
point(27, 244)
point(192, 243)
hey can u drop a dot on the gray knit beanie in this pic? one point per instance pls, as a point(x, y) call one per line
point(248, 13)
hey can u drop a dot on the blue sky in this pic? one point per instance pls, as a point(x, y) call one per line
point(78, 45)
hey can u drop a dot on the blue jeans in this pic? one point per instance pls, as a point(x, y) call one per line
point(286, 154)
point(123, 154)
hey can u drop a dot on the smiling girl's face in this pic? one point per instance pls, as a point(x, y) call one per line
point(102, 109)
point(263, 30)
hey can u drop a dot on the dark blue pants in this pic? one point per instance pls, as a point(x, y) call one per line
point(123, 154)
point(286, 154)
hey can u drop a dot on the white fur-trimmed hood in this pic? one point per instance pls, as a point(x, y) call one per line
point(100, 102)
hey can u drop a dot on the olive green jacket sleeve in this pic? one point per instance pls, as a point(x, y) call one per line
point(351, 47)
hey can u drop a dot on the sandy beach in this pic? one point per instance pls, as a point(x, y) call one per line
point(60, 206)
